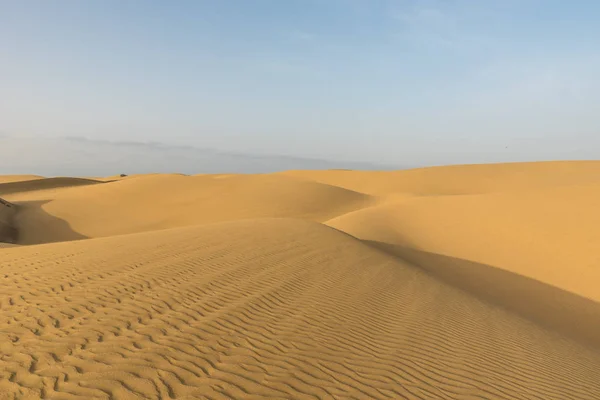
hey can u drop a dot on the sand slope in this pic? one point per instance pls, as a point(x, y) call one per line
point(263, 309)
point(533, 233)
point(153, 202)
point(461, 179)
point(462, 282)
point(534, 251)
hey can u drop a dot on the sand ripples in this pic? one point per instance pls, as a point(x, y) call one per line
point(270, 308)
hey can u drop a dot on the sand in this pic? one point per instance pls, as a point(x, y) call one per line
point(18, 178)
point(460, 282)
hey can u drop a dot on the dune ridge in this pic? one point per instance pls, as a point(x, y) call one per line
point(456, 282)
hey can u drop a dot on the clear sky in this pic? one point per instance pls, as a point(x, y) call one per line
point(403, 82)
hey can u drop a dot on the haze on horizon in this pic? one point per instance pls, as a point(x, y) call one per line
point(395, 83)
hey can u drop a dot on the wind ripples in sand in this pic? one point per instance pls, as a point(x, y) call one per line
point(272, 308)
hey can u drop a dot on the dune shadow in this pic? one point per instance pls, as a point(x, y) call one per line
point(560, 310)
point(33, 225)
point(8, 233)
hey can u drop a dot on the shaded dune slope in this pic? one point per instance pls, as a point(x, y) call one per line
point(532, 251)
point(8, 233)
point(271, 308)
point(544, 234)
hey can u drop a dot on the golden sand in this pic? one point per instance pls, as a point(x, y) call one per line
point(460, 282)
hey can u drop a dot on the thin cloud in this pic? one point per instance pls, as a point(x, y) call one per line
point(89, 157)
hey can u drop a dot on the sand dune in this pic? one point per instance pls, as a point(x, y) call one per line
point(461, 179)
point(274, 308)
point(155, 202)
point(461, 282)
point(18, 178)
point(533, 252)
point(530, 232)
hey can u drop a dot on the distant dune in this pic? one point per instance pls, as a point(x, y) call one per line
point(18, 178)
point(459, 282)
point(35, 185)
point(461, 179)
point(153, 202)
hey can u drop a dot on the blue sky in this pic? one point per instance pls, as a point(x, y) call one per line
point(404, 82)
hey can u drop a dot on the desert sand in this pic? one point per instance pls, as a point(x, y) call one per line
point(458, 282)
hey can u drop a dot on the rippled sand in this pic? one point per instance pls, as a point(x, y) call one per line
point(460, 282)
